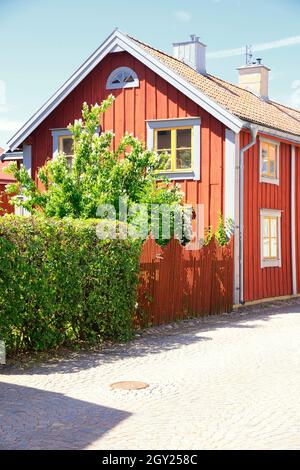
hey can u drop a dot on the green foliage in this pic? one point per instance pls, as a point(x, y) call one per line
point(98, 175)
point(222, 233)
point(60, 284)
point(208, 235)
point(224, 230)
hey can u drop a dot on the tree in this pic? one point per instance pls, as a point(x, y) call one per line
point(98, 174)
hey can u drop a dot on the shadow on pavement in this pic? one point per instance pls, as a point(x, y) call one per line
point(159, 339)
point(38, 419)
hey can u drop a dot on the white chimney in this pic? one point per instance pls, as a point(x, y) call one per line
point(255, 77)
point(193, 53)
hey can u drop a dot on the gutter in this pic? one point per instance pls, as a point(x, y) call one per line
point(253, 130)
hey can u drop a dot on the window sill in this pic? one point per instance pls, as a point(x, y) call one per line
point(178, 175)
point(270, 263)
point(265, 179)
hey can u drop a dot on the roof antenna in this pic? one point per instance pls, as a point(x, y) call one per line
point(249, 55)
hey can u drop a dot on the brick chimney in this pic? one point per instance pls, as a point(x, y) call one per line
point(192, 53)
point(255, 77)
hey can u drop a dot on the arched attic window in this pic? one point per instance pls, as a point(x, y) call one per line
point(122, 77)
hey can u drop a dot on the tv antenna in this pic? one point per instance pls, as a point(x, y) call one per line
point(249, 55)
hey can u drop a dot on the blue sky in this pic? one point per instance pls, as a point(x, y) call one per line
point(43, 41)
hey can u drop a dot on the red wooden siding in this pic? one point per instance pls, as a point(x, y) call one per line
point(177, 283)
point(268, 282)
point(297, 168)
point(154, 99)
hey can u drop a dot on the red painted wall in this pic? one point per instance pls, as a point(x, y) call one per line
point(154, 99)
point(268, 282)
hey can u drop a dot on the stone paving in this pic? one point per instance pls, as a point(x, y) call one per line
point(225, 382)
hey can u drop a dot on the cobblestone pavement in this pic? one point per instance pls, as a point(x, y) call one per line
point(226, 382)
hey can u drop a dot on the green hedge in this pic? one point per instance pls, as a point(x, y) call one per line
point(60, 284)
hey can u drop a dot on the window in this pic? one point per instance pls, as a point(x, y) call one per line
point(269, 161)
point(270, 221)
point(178, 144)
point(122, 77)
point(180, 139)
point(65, 145)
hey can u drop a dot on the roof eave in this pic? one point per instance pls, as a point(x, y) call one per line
point(292, 138)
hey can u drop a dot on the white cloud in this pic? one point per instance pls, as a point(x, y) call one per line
point(183, 16)
point(256, 48)
point(295, 96)
point(7, 125)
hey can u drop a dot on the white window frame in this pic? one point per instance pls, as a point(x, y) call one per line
point(263, 178)
point(125, 70)
point(56, 135)
point(195, 123)
point(265, 262)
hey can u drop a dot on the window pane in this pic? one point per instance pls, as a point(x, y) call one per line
point(163, 140)
point(184, 138)
point(266, 248)
point(274, 247)
point(128, 79)
point(264, 167)
point(273, 223)
point(266, 227)
point(183, 159)
point(117, 78)
point(67, 145)
point(272, 168)
point(272, 152)
point(167, 164)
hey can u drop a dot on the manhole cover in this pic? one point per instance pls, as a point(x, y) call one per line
point(129, 385)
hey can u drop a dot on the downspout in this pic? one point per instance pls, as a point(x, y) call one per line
point(253, 131)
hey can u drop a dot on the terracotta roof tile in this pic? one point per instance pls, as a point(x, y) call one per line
point(242, 103)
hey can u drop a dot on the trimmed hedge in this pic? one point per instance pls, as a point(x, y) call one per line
point(60, 284)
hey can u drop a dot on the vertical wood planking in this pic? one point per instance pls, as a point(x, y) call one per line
point(187, 283)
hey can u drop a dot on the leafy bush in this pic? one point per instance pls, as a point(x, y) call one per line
point(60, 284)
point(98, 174)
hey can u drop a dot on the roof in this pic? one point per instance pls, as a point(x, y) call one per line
point(116, 42)
point(4, 178)
point(242, 103)
point(230, 104)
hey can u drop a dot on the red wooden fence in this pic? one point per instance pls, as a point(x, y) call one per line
point(177, 283)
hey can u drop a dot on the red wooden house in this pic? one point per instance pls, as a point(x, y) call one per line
point(232, 148)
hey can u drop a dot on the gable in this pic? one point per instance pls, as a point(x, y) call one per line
point(117, 42)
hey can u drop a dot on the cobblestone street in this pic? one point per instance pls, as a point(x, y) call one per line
point(226, 382)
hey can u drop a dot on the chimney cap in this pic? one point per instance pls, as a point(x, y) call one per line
point(253, 66)
point(195, 40)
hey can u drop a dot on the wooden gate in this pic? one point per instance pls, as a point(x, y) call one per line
point(177, 283)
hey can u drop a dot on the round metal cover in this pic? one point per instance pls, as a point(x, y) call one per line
point(129, 385)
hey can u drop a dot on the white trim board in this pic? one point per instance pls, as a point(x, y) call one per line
point(118, 40)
